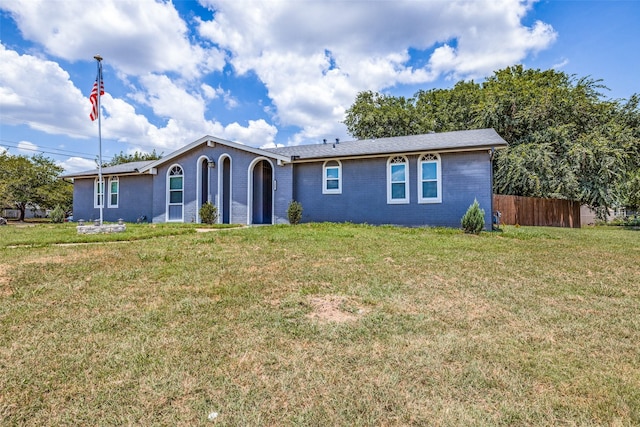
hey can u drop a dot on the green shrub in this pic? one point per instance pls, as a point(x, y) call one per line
point(473, 219)
point(294, 212)
point(208, 213)
point(57, 215)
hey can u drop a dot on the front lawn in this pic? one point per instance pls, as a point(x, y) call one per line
point(320, 324)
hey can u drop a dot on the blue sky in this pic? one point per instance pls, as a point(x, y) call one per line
point(267, 73)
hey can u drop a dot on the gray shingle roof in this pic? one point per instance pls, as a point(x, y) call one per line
point(446, 141)
point(124, 168)
point(458, 140)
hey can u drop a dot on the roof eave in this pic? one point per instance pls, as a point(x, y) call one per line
point(299, 159)
point(95, 174)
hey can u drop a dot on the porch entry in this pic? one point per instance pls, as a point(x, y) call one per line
point(262, 198)
point(225, 189)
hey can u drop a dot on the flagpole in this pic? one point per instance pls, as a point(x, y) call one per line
point(100, 181)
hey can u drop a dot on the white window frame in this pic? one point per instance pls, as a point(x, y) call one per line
point(170, 174)
point(426, 158)
point(111, 193)
point(395, 160)
point(98, 196)
point(331, 164)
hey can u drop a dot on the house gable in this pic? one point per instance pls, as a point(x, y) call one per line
point(211, 142)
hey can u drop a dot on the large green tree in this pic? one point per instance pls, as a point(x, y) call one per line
point(565, 139)
point(30, 182)
point(138, 156)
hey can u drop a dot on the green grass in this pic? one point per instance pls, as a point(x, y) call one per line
point(33, 235)
point(320, 324)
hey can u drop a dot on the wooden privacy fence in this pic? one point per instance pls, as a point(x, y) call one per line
point(535, 211)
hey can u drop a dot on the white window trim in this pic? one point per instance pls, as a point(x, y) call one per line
point(168, 195)
point(97, 194)
point(438, 163)
point(325, 190)
point(390, 200)
point(117, 193)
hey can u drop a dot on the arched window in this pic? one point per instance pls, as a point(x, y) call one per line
point(114, 191)
point(397, 180)
point(429, 179)
point(332, 177)
point(175, 193)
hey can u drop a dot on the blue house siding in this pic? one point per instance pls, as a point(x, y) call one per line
point(284, 192)
point(465, 176)
point(135, 199)
point(240, 164)
point(83, 200)
point(296, 173)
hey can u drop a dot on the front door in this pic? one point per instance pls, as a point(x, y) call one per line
point(262, 203)
point(226, 190)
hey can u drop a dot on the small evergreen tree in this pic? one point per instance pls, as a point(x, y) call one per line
point(473, 219)
point(57, 214)
point(294, 212)
point(208, 213)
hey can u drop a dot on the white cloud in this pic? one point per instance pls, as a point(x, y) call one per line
point(168, 99)
point(314, 57)
point(210, 93)
point(135, 36)
point(26, 147)
point(77, 164)
point(560, 64)
point(46, 101)
point(257, 134)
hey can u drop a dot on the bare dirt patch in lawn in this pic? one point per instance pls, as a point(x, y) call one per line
point(334, 308)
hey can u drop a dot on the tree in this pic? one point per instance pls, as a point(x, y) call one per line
point(374, 115)
point(473, 219)
point(629, 191)
point(445, 110)
point(565, 140)
point(30, 182)
point(138, 156)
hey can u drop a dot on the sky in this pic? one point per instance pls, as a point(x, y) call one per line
point(273, 72)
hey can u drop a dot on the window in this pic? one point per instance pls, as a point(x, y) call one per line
point(98, 193)
point(429, 179)
point(397, 180)
point(114, 187)
point(332, 177)
point(175, 186)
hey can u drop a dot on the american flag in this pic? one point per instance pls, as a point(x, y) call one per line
point(94, 98)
